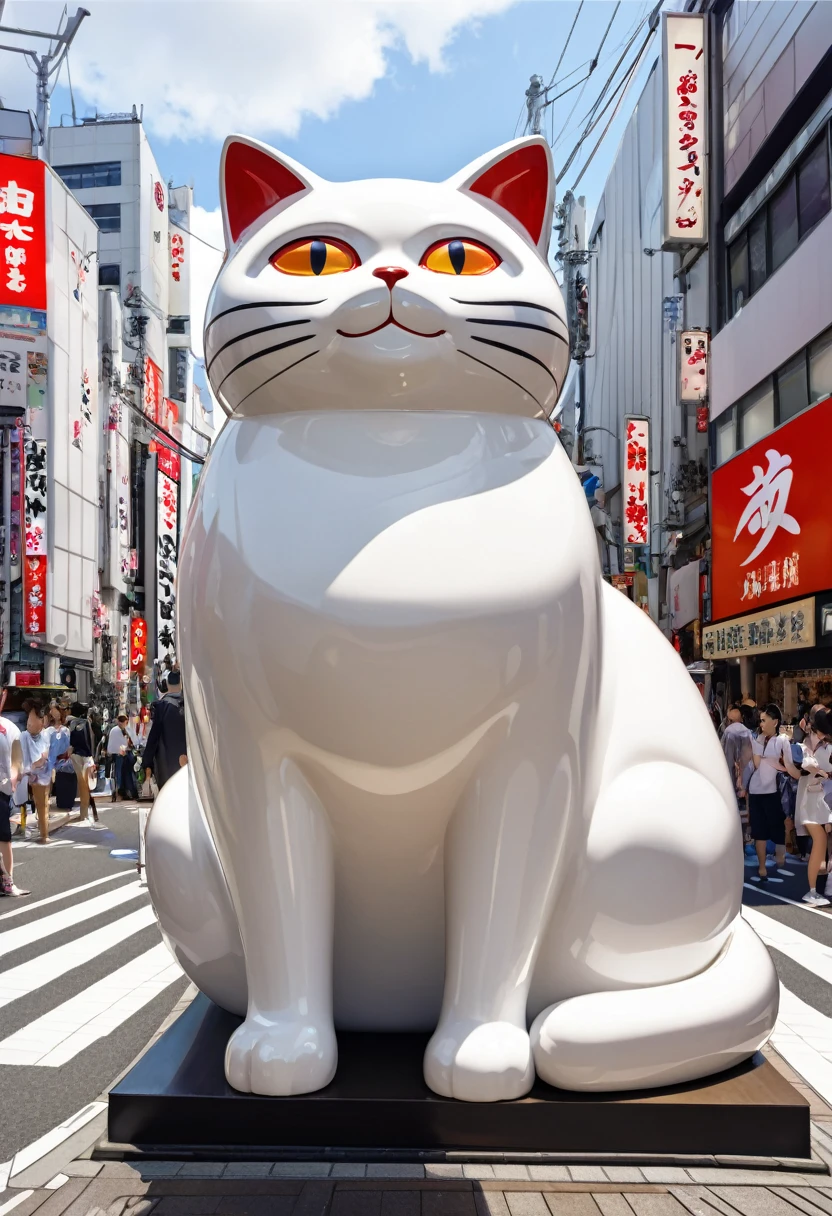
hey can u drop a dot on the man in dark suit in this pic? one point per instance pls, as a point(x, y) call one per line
point(166, 749)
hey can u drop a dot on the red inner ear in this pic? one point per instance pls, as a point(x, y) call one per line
point(254, 182)
point(519, 183)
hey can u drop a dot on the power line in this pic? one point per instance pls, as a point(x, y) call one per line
point(594, 62)
point(202, 240)
point(566, 44)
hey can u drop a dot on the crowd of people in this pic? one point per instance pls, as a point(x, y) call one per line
point(783, 779)
point(66, 752)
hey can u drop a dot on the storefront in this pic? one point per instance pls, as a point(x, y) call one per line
point(772, 566)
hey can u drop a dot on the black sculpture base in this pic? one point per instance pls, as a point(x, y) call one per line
point(177, 1095)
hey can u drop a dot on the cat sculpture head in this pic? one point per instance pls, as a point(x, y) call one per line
point(386, 294)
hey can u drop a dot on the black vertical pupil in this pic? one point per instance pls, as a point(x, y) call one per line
point(456, 252)
point(317, 256)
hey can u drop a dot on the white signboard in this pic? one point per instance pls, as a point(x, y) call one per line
point(179, 242)
point(166, 558)
point(693, 365)
point(34, 511)
point(683, 595)
point(684, 54)
point(635, 481)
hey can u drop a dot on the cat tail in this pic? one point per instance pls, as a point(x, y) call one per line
point(190, 895)
point(672, 1033)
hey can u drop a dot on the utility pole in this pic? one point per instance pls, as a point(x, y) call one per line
point(535, 101)
point(46, 65)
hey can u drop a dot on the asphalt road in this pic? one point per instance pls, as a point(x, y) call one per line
point(65, 960)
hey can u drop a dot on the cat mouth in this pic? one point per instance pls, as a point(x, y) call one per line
point(391, 320)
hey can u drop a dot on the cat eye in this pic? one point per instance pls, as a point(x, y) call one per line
point(460, 257)
point(316, 256)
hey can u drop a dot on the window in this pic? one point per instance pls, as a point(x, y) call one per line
point(756, 414)
point(792, 388)
point(106, 215)
point(782, 215)
point(738, 272)
point(726, 436)
point(820, 367)
point(109, 276)
point(757, 251)
point(87, 177)
point(813, 187)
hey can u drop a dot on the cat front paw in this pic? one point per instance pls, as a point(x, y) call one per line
point(281, 1056)
point(479, 1061)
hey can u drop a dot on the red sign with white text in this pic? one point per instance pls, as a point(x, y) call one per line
point(154, 391)
point(770, 519)
point(167, 461)
point(34, 596)
point(138, 644)
point(22, 232)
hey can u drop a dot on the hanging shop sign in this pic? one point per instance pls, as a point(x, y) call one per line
point(124, 651)
point(685, 129)
point(167, 547)
point(138, 644)
point(23, 360)
point(34, 509)
point(683, 595)
point(168, 462)
point(770, 520)
point(787, 627)
point(154, 391)
point(693, 365)
point(179, 218)
point(635, 480)
point(702, 419)
point(22, 232)
point(34, 596)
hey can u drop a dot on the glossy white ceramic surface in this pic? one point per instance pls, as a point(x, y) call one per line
point(451, 777)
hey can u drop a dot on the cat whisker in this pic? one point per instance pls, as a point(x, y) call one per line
point(261, 304)
point(252, 333)
point(274, 377)
point(543, 329)
point(512, 304)
point(522, 387)
point(261, 354)
point(515, 350)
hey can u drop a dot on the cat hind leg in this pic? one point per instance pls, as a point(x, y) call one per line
point(662, 1035)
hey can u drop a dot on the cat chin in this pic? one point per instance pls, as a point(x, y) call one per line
point(392, 362)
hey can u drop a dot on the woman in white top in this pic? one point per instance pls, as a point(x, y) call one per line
point(812, 812)
point(34, 747)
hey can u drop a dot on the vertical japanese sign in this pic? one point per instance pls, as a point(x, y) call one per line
point(22, 232)
point(34, 513)
point(138, 645)
point(124, 651)
point(635, 481)
point(168, 462)
point(34, 596)
point(693, 365)
point(685, 60)
point(154, 391)
point(166, 558)
point(23, 360)
point(179, 241)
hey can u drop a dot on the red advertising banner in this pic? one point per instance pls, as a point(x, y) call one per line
point(770, 519)
point(138, 644)
point(154, 391)
point(22, 232)
point(34, 596)
point(167, 461)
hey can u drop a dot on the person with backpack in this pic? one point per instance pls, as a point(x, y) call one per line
point(772, 754)
point(166, 749)
point(82, 743)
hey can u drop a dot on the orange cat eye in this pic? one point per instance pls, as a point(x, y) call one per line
point(315, 256)
point(460, 257)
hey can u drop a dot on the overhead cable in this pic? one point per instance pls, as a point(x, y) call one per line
point(594, 63)
point(566, 44)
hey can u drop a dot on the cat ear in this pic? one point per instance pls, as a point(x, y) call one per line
point(520, 178)
point(253, 179)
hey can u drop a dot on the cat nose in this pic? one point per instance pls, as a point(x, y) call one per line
point(391, 274)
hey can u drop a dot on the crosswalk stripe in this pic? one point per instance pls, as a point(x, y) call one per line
point(25, 935)
point(25, 906)
point(803, 1038)
point(812, 955)
point(58, 1036)
point(27, 977)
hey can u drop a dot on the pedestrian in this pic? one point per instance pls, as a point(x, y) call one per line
point(60, 763)
point(120, 747)
point(771, 755)
point(9, 769)
point(813, 814)
point(166, 749)
point(82, 742)
point(737, 744)
point(34, 747)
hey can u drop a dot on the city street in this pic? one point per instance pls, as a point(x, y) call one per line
point(85, 979)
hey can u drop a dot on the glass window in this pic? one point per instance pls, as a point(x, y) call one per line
point(813, 187)
point(782, 218)
point(106, 215)
point(109, 276)
point(820, 367)
point(726, 437)
point(757, 262)
point(86, 177)
point(756, 414)
point(792, 388)
point(738, 273)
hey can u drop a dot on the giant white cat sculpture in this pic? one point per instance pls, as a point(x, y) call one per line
point(442, 777)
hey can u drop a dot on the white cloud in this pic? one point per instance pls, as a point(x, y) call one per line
point(205, 68)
